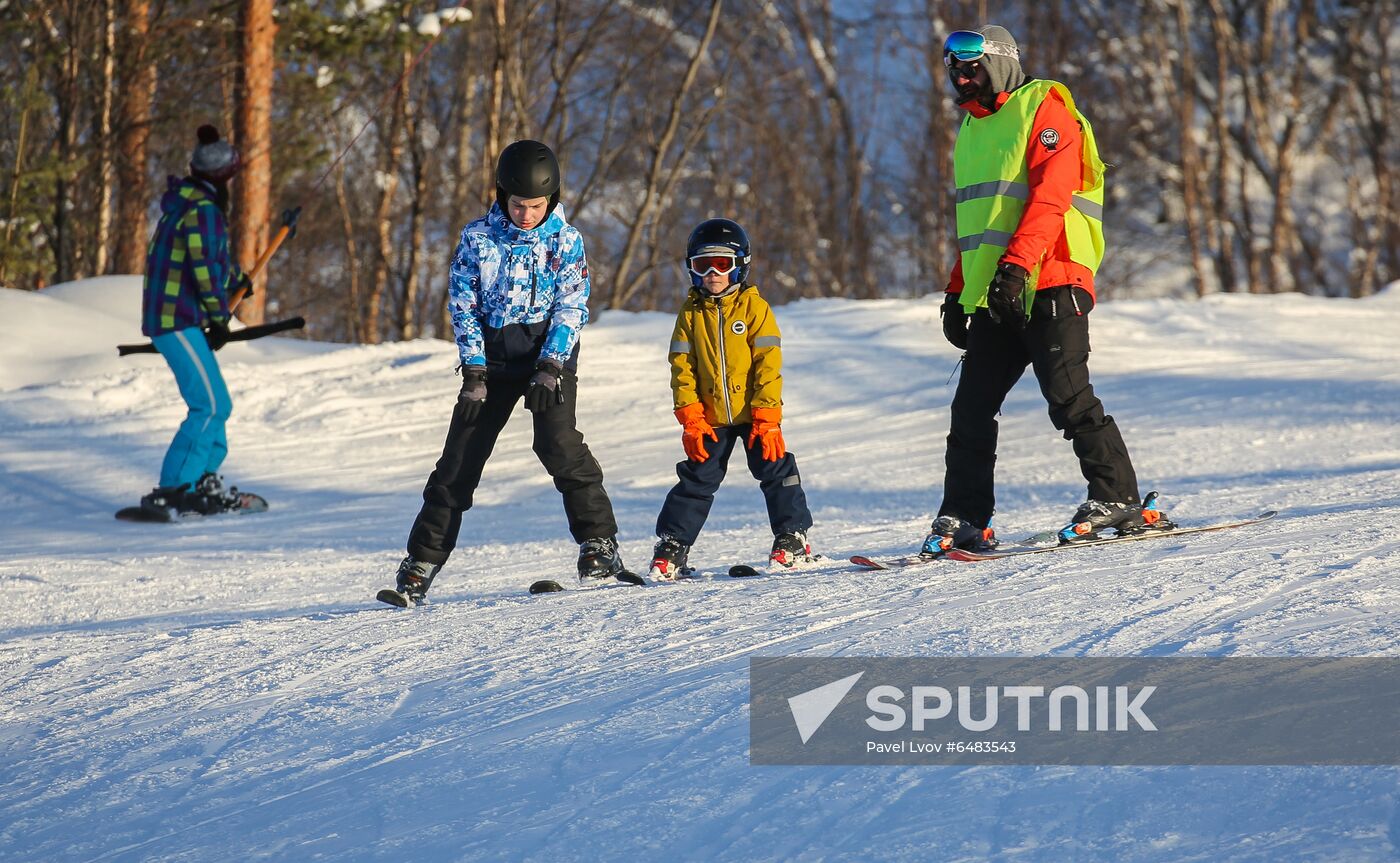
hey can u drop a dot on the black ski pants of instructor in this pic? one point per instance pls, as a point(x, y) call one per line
point(559, 445)
point(1055, 344)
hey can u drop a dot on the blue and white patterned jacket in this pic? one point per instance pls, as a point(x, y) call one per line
point(518, 296)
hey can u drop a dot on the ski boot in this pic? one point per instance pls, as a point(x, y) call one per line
point(598, 558)
point(1126, 519)
point(790, 549)
point(949, 532)
point(668, 559)
point(411, 583)
point(168, 503)
point(211, 497)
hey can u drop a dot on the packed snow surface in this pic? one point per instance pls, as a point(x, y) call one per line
point(228, 689)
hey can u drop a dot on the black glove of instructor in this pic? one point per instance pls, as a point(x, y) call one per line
point(544, 390)
point(954, 322)
point(1006, 295)
point(216, 334)
point(473, 394)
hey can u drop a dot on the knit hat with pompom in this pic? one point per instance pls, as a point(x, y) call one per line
point(214, 160)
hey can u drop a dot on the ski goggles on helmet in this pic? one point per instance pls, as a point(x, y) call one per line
point(967, 45)
point(703, 265)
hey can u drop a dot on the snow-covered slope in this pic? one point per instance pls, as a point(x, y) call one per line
point(228, 689)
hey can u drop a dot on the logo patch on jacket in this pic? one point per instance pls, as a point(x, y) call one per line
point(1050, 138)
point(739, 328)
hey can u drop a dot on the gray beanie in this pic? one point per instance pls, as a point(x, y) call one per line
point(213, 159)
point(1003, 70)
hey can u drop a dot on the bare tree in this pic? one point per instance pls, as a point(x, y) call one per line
point(625, 285)
point(103, 135)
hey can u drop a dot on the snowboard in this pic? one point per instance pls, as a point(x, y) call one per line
point(1030, 547)
point(248, 503)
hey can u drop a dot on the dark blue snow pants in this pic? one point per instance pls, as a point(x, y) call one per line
point(688, 503)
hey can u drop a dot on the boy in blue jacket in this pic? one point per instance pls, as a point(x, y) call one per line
point(519, 297)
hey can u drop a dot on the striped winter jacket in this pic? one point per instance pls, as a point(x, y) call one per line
point(189, 271)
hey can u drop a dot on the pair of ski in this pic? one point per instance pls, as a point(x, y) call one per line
point(627, 577)
point(1033, 545)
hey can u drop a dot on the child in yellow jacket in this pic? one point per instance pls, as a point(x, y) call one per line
point(727, 385)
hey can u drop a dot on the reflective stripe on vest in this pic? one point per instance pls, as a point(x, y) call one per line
point(989, 168)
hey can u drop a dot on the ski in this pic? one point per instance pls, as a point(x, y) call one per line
point(549, 585)
point(248, 503)
point(1036, 545)
point(973, 556)
point(891, 563)
point(738, 570)
point(389, 596)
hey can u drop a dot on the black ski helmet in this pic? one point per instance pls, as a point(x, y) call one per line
point(527, 169)
point(719, 235)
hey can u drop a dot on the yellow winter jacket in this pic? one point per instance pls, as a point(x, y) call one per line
point(726, 352)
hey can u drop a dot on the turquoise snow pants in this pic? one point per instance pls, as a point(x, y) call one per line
point(200, 444)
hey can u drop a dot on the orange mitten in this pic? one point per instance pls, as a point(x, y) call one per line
point(695, 428)
point(765, 429)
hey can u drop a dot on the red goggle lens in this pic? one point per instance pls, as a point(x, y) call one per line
point(701, 265)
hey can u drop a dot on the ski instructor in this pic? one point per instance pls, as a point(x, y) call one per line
point(518, 293)
point(1029, 210)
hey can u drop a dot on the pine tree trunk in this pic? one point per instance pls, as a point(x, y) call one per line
point(253, 136)
point(138, 76)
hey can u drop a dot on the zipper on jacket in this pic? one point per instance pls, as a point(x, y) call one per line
point(723, 365)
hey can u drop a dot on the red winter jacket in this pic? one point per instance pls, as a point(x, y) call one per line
point(1054, 178)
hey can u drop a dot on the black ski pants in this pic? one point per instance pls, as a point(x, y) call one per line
point(559, 445)
point(1055, 344)
point(688, 503)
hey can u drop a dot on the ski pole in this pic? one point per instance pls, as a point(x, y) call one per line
point(247, 334)
point(284, 233)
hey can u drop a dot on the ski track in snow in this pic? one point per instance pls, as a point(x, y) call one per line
point(228, 689)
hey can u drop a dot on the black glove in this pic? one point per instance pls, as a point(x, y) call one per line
point(544, 388)
point(244, 281)
point(473, 394)
point(1006, 295)
point(954, 322)
point(216, 334)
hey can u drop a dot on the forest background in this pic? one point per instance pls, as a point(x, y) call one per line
point(1253, 144)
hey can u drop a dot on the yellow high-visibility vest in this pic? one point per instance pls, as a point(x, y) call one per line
point(989, 168)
